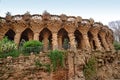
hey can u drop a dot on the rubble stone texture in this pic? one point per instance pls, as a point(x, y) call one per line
point(53, 30)
point(24, 67)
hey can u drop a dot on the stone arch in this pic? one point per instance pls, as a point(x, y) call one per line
point(46, 37)
point(10, 34)
point(63, 39)
point(27, 34)
point(3, 31)
point(78, 38)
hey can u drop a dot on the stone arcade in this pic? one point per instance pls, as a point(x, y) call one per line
point(57, 31)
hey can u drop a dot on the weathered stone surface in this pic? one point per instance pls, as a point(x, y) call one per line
point(46, 27)
point(24, 67)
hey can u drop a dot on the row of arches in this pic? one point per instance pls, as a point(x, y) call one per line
point(45, 36)
point(28, 34)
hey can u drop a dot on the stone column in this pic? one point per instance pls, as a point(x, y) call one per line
point(84, 28)
point(45, 42)
point(86, 41)
point(97, 42)
point(60, 42)
point(72, 41)
point(17, 38)
point(82, 43)
point(103, 40)
point(71, 71)
point(30, 36)
point(36, 36)
point(54, 40)
point(110, 41)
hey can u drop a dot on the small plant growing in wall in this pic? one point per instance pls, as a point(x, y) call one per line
point(90, 69)
point(41, 65)
point(57, 59)
point(32, 46)
point(117, 45)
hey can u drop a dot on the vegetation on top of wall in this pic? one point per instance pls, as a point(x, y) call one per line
point(57, 59)
point(6, 45)
point(32, 46)
point(90, 69)
point(8, 48)
point(117, 45)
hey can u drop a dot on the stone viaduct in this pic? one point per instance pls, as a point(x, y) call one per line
point(57, 31)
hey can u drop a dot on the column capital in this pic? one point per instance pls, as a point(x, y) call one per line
point(54, 32)
point(36, 32)
point(18, 32)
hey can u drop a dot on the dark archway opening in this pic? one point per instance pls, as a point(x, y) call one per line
point(63, 39)
point(101, 41)
point(46, 33)
point(78, 37)
point(27, 35)
point(10, 34)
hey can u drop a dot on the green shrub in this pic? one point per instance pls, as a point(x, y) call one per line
point(13, 53)
point(57, 59)
point(90, 69)
point(7, 46)
point(32, 46)
point(117, 45)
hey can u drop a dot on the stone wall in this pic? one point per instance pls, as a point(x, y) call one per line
point(24, 67)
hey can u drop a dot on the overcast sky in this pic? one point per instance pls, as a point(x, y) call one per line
point(100, 10)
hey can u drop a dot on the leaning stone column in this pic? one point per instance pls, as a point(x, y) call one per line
point(36, 36)
point(97, 42)
point(54, 40)
point(45, 42)
point(94, 30)
point(103, 39)
point(86, 41)
point(84, 28)
point(17, 38)
point(60, 42)
point(110, 40)
point(72, 41)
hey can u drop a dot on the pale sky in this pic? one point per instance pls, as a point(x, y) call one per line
point(100, 10)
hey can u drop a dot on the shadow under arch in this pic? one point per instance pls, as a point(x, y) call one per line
point(46, 37)
point(78, 39)
point(27, 35)
point(63, 39)
point(10, 34)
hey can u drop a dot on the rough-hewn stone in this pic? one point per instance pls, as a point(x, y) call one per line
point(46, 27)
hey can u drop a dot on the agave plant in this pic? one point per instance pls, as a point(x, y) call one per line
point(7, 45)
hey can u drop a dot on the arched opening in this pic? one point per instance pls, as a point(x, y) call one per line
point(10, 34)
point(101, 41)
point(78, 38)
point(27, 35)
point(63, 39)
point(46, 38)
